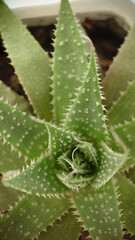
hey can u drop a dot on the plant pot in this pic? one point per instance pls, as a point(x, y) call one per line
point(104, 17)
point(106, 23)
point(43, 12)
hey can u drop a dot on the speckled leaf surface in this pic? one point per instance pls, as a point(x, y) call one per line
point(109, 163)
point(8, 196)
point(25, 51)
point(14, 99)
point(25, 134)
point(69, 55)
point(60, 140)
point(127, 198)
point(40, 179)
point(31, 216)
point(120, 72)
point(86, 114)
point(9, 160)
point(65, 229)
point(99, 212)
point(124, 108)
point(72, 156)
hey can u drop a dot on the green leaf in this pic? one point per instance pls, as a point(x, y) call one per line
point(124, 108)
point(67, 224)
point(86, 114)
point(99, 211)
point(127, 199)
point(122, 138)
point(8, 196)
point(13, 98)
point(9, 160)
point(69, 55)
point(39, 179)
point(24, 134)
point(59, 140)
point(109, 163)
point(31, 216)
point(121, 71)
point(30, 61)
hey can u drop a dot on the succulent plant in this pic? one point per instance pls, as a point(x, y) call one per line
point(68, 157)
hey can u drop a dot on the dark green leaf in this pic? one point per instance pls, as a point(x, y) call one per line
point(65, 229)
point(31, 216)
point(8, 196)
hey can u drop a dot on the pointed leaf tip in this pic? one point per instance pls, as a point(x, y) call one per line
point(40, 178)
point(69, 55)
point(85, 116)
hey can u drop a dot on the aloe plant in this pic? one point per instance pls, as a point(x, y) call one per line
point(68, 160)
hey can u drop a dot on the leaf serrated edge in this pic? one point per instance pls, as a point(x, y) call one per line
point(50, 225)
point(77, 217)
point(15, 204)
point(52, 66)
point(74, 187)
point(43, 121)
point(117, 194)
point(97, 186)
point(16, 173)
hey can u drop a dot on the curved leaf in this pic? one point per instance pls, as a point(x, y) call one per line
point(121, 71)
point(122, 138)
point(124, 108)
point(29, 59)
